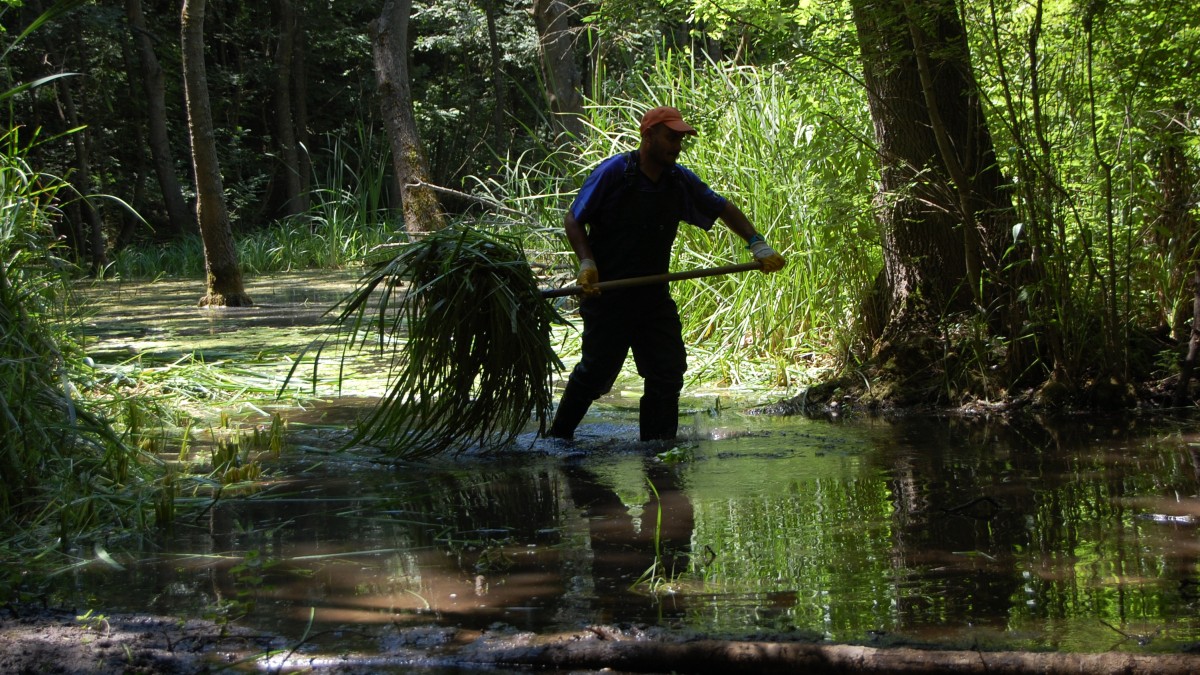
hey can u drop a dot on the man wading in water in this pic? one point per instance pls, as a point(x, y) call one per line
point(622, 224)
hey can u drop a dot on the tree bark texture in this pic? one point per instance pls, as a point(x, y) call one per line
point(1174, 235)
point(224, 276)
point(1188, 366)
point(178, 219)
point(560, 71)
point(389, 42)
point(605, 648)
point(1175, 229)
point(944, 217)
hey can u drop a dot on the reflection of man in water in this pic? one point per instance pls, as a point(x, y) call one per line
point(623, 552)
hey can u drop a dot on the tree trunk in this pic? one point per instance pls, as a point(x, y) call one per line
point(131, 222)
point(1174, 234)
point(604, 647)
point(1175, 229)
point(560, 72)
point(285, 126)
point(178, 219)
point(300, 109)
point(944, 219)
point(134, 160)
point(91, 224)
point(500, 111)
point(389, 41)
point(1188, 366)
point(86, 227)
point(224, 276)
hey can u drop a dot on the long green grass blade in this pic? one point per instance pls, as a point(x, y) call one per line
point(469, 334)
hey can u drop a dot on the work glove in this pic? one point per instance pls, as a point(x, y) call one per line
point(763, 253)
point(588, 278)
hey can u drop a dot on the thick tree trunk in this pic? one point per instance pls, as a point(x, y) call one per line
point(1174, 235)
point(285, 125)
point(560, 72)
point(1188, 366)
point(1175, 229)
point(389, 41)
point(224, 276)
point(178, 219)
point(944, 219)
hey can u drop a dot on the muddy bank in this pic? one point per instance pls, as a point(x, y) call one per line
point(60, 641)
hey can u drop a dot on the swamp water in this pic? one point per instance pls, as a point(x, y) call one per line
point(1077, 536)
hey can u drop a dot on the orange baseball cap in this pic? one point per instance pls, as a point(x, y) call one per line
point(668, 116)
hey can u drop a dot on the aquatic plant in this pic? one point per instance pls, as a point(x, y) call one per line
point(461, 314)
point(656, 579)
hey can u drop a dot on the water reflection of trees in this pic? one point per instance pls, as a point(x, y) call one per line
point(922, 530)
point(1025, 526)
point(958, 528)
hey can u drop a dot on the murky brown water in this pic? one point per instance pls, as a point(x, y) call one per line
point(1076, 536)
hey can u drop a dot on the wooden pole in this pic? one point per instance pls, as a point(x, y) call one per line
point(655, 279)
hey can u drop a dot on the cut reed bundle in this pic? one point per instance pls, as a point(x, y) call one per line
point(469, 335)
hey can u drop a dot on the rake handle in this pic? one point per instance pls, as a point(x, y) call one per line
point(655, 279)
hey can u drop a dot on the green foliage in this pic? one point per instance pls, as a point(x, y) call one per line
point(79, 441)
point(791, 161)
point(1086, 101)
point(65, 467)
point(348, 217)
point(1082, 100)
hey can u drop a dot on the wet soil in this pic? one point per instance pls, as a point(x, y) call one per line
point(44, 640)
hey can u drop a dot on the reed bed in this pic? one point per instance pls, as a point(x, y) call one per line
point(781, 145)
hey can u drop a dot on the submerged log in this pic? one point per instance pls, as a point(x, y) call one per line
point(588, 651)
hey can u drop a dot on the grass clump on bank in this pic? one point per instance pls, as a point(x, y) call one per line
point(66, 469)
point(82, 444)
point(347, 219)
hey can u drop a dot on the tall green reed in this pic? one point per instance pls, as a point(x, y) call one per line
point(779, 143)
point(475, 356)
point(65, 468)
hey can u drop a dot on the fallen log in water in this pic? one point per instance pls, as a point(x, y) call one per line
point(593, 651)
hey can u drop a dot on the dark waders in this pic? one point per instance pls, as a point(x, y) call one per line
point(614, 324)
point(633, 239)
